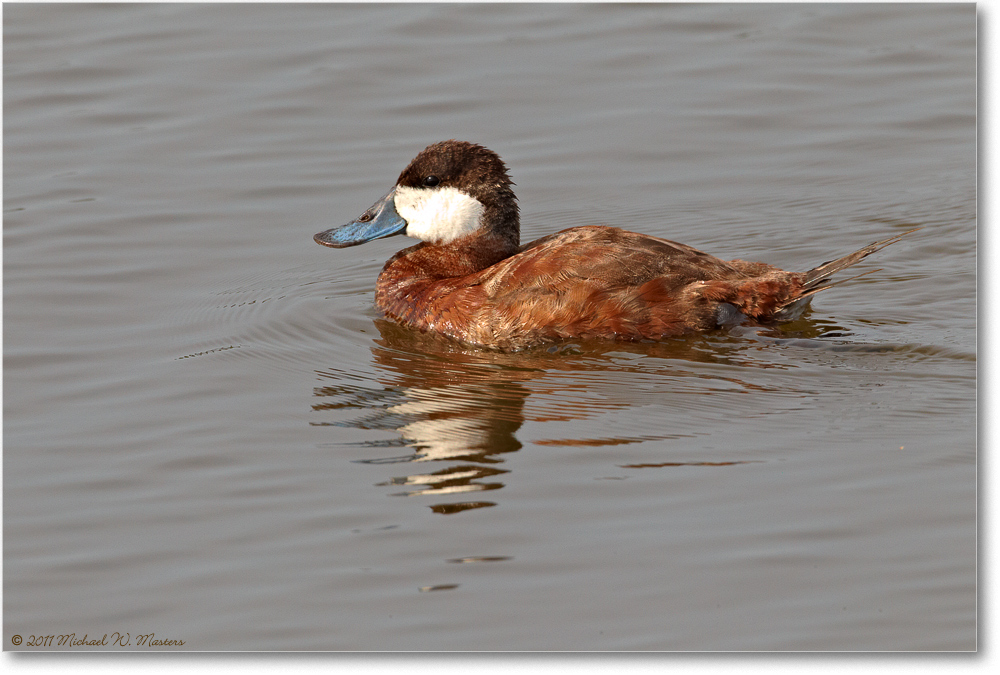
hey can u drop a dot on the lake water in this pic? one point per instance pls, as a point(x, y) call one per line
point(210, 435)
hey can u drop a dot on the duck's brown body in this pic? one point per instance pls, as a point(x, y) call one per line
point(585, 282)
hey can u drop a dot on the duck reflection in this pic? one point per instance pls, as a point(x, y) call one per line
point(447, 404)
point(464, 406)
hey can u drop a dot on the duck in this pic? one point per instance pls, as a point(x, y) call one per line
point(471, 280)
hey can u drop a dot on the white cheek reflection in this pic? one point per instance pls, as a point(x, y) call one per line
point(443, 430)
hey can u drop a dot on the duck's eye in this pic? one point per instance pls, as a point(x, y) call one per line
point(431, 181)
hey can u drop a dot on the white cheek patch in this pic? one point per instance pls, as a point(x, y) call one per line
point(437, 215)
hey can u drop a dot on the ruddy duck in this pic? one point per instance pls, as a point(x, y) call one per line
point(471, 280)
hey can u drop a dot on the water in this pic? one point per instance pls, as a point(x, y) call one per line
point(211, 436)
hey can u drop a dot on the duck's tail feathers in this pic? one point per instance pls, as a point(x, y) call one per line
point(818, 278)
point(814, 278)
point(816, 289)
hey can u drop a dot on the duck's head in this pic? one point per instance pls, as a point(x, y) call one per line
point(450, 191)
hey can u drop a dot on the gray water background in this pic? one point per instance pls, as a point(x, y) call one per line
point(210, 435)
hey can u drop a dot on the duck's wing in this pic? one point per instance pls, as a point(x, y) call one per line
point(609, 256)
point(595, 282)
